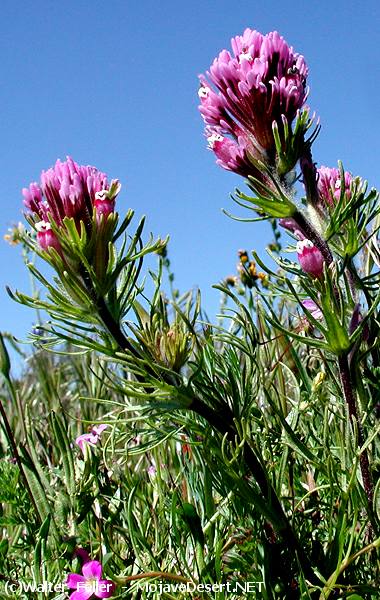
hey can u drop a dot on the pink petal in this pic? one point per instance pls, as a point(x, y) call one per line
point(81, 595)
point(97, 429)
point(85, 438)
point(73, 579)
point(92, 570)
point(105, 589)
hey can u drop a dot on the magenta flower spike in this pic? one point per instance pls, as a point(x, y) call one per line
point(69, 190)
point(330, 185)
point(90, 584)
point(92, 437)
point(263, 81)
point(310, 258)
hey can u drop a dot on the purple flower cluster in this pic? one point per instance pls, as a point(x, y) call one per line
point(264, 81)
point(91, 438)
point(69, 190)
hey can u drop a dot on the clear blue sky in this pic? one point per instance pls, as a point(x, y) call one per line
point(114, 84)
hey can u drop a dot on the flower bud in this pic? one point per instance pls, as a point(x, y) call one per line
point(105, 200)
point(330, 185)
point(310, 258)
point(104, 206)
point(46, 237)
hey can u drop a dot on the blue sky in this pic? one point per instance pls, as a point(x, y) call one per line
point(114, 84)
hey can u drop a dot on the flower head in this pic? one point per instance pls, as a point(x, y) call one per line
point(261, 82)
point(310, 258)
point(15, 234)
point(69, 190)
point(92, 437)
point(330, 185)
point(90, 583)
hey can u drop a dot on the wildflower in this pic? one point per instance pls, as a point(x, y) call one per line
point(313, 308)
point(46, 237)
point(243, 256)
point(136, 440)
point(90, 583)
point(14, 235)
point(183, 448)
point(310, 258)
point(248, 272)
point(151, 470)
point(231, 281)
point(92, 437)
point(69, 190)
point(318, 380)
point(233, 154)
point(330, 185)
point(264, 279)
point(263, 82)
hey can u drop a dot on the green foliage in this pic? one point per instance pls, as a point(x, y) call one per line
point(235, 452)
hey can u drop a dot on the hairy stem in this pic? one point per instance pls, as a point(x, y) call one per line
point(310, 178)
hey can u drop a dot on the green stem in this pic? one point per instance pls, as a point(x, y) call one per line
point(222, 422)
point(16, 455)
point(349, 395)
point(374, 328)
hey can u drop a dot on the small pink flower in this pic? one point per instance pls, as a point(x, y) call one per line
point(310, 258)
point(91, 438)
point(105, 200)
point(313, 308)
point(330, 184)
point(90, 583)
point(46, 237)
point(151, 470)
point(104, 206)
